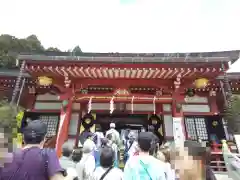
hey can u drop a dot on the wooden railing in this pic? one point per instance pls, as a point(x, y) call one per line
point(217, 161)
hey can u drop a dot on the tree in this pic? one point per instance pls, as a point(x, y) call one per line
point(77, 51)
point(11, 46)
point(34, 43)
point(232, 115)
point(53, 49)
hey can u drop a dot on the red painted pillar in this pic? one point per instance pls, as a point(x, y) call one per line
point(64, 122)
point(178, 120)
point(213, 105)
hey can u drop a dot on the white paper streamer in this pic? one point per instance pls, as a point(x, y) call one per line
point(132, 104)
point(111, 105)
point(154, 105)
point(90, 105)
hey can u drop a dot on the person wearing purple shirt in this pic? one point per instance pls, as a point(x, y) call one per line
point(34, 162)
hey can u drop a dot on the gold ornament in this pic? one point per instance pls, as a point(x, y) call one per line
point(214, 123)
point(45, 81)
point(87, 121)
point(201, 83)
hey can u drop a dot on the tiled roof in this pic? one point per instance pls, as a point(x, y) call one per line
point(132, 57)
point(12, 73)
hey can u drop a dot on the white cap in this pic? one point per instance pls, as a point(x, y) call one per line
point(112, 125)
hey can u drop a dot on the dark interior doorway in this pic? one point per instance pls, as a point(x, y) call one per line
point(215, 128)
point(122, 121)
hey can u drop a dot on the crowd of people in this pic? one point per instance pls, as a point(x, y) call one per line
point(144, 158)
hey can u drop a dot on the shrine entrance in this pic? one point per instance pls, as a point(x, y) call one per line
point(122, 121)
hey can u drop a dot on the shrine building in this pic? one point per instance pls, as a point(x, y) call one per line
point(177, 93)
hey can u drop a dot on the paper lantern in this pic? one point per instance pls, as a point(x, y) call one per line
point(190, 92)
point(44, 81)
point(201, 83)
point(65, 103)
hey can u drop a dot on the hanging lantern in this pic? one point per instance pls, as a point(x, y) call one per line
point(65, 103)
point(45, 81)
point(190, 92)
point(201, 83)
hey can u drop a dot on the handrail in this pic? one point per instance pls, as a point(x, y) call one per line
point(232, 162)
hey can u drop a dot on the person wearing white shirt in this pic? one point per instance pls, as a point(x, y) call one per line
point(86, 165)
point(115, 134)
point(107, 171)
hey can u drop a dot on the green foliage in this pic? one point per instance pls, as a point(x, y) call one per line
point(11, 46)
point(53, 49)
point(232, 115)
point(77, 51)
point(8, 113)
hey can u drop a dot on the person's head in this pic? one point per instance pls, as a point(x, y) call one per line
point(104, 142)
point(77, 155)
point(151, 129)
point(161, 156)
point(67, 149)
point(87, 147)
point(109, 137)
point(112, 125)
point(35, 132)
point(196, 150)
point(167, 154)
point(131, 136)
point(185, 166)
point(90, 136)
point(191, 161)
point(107, 157)
point(145, 141)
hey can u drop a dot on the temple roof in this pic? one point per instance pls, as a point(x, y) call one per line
point(12, 73)
point(221, 56)
point(15, 73)
point(231, 76)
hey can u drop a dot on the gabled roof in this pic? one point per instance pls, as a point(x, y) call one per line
point(222, 56)
point(231, 76)
point(12, 73)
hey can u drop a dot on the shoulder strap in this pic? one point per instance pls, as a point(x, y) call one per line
point(144, 167)
point(129, 147)
point(104, 174)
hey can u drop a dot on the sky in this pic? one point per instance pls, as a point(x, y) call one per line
point(148, 26)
